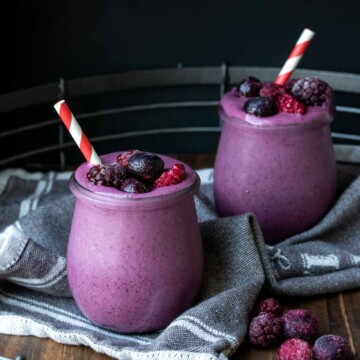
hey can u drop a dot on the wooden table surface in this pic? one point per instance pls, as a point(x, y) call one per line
point(337, 314)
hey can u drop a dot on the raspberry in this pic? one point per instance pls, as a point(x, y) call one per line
point(108, 175)
point(124, 157)
point(300, 324)
point(271, 306)
point(145, 166)
point(312, 91)
point(289, 104)
point(131, 185)
point(332, 347)
point(295, 349)
point(171, 177)
point(261, 106)
point(270, 90)
point(250, 86)
point(265, 330)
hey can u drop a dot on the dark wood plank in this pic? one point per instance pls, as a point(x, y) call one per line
point(34, 348)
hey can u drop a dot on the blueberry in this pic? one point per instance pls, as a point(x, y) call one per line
point(250, 86)
point(132, 185)
point(261, 106)
point(332, 347)
point(145, 166)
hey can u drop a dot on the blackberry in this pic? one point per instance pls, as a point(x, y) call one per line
point(261, 106)
point(132, 185)
point(265, 330)
point(250, 86)
point(295, 349)
point(289, 84)
point(107, 175)
point(332, 347)
point(145, 166)
point(299, 323)
point(312, 91)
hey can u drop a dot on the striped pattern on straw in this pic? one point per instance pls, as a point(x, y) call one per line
point(295, 56)
point(76, 132)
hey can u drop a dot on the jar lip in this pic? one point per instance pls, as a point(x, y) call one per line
point(266, 127)
point(109, 200)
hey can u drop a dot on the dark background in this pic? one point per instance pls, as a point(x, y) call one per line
point(44, 41)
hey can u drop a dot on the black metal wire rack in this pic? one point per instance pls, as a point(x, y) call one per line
point(32, 135)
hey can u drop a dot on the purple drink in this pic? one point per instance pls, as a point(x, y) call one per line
point(135, 261)
point(280, 167)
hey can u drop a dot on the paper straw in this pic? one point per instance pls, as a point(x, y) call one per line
point(295, 56)
point(76, 132)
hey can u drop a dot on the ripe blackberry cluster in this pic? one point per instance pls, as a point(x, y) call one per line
point(136, 172)
point(297, 329)
point(294, 97)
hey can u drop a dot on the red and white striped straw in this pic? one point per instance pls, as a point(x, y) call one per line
point(75, 130)
point(295, 56)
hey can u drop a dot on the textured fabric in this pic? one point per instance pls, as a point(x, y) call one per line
point(35, 216)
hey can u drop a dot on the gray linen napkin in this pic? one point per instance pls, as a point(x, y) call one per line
point(35, 215)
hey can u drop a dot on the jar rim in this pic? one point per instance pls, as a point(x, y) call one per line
point(246, 125)
point(103, 199)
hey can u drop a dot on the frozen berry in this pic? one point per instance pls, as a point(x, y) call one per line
point(295, 349)
point(250, 86)
point(145, 166)
point(261, 106)
point(289, 84)
point(299, 323)
point(131, 185)
point(312, 91)
point(270, 90)
point(289, 104)
point(270, 305)
point(124, 157)
point(332, 347)
point(265, 330)
point(108, 175)
point(171, 177)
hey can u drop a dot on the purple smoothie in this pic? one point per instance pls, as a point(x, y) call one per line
point(135, 261)
point(282, 167)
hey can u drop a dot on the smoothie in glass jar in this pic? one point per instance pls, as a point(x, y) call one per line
point(135, 256)
point(275, 157)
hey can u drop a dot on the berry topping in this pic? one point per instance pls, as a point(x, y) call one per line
point(270, 305)
point(124, 157)
point(289, 84)
point(171, 177)
point(289, 104)
point(248, 87)
point(270, 90)
point(108, 175)
point(295, 349)
point(145, 166)
point(131, 185)
point(300, 324)
point(265, 330)
point(261, 106)
point(332, 347)
point(312, 91)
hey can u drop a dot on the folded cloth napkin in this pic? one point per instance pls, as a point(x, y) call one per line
point(35, 216)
